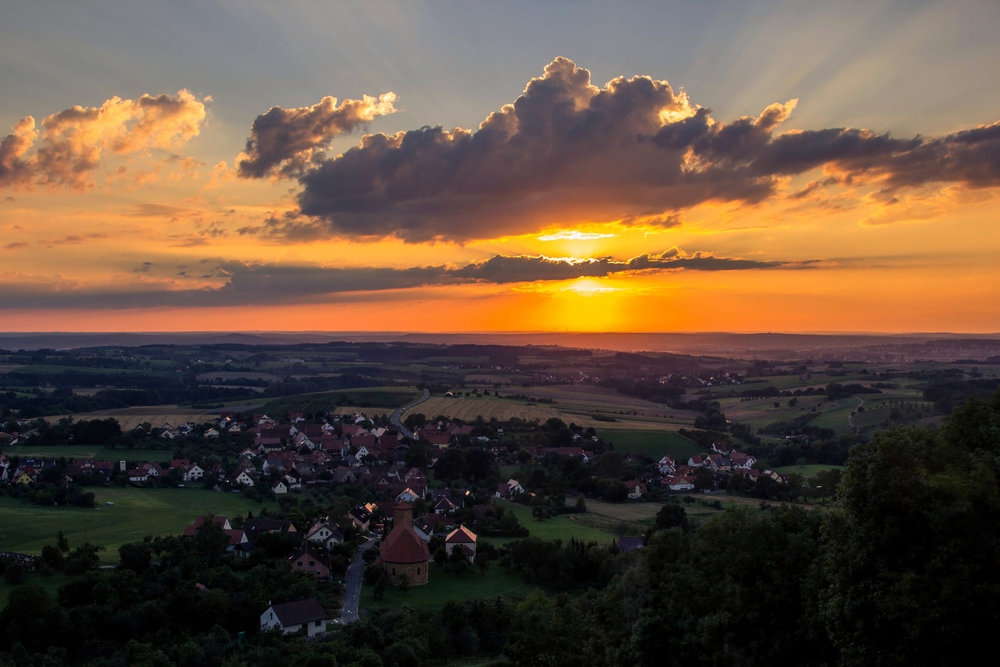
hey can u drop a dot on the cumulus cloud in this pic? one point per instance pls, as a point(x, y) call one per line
point(258, 284)
point(282, 141)
point(635, 151)
point(15, 170)
point(72, 142)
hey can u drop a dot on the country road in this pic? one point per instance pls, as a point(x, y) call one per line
point(352, 592)
point(399, 412)
point(850, 417)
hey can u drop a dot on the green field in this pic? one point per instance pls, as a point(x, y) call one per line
point(807, 471)
point(651, 443)
point(135, 514)
point(90, 452)
point(558, 528)
point(376, 397)
point(47, 369)
point(835, 417)
point(442, 587)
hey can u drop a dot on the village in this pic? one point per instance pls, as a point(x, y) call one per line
point(412, 505)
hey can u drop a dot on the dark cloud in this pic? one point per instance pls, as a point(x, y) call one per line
point(259, 284)
point(634, 150)
point(282, 141)
point(16, 245)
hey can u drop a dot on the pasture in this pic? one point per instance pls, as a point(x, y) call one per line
point(443, 586)
point(651, 443)
point(135, 514)
point(562, 527)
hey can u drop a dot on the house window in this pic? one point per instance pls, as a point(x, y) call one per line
point(418, 570)
point(393, 571)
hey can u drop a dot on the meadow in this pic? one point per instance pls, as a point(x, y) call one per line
point(134, 514)
point(562, 527)
point(651, 443)
point(443, 586)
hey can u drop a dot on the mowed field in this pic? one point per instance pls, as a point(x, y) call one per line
point(135, 514)
point(572, 404)
point(562, 527)
point(651, 443)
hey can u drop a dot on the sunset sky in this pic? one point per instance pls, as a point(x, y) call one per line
point(452, 166)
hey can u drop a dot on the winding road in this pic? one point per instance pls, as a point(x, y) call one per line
point(399, 413)
point(352, 592)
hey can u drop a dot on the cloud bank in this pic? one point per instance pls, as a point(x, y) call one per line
point(260, 284)
point(567, 151)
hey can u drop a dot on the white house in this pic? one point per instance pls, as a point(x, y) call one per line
point(407, 495)
point(291, 617)
point(325, 533)
point(461, 538)
point(243, 479)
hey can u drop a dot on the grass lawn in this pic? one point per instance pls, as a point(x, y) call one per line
point(807, 471)
point(442, 587)
point(135, 514)
point(559, 528)
point(651, 443)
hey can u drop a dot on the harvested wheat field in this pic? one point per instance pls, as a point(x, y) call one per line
point(156, 415)
point(467, 409)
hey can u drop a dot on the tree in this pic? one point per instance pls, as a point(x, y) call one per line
point(672, 515)
point(52, 557)
point(911, 555)
point(403, 583)
point(135, 556)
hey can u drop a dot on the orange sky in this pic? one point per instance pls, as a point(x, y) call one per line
point(578, 205)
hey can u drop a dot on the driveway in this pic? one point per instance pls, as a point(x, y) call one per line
point(352, 592)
